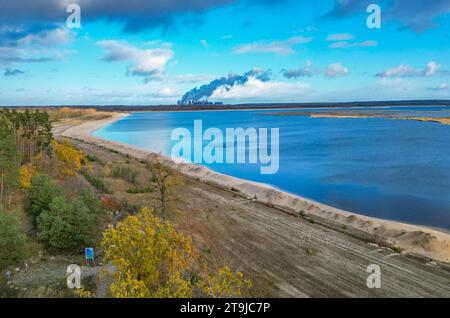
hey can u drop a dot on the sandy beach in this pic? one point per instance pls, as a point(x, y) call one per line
point(412, 240)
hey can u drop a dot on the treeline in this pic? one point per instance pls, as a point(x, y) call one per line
point(31, 162)
point(32, 131)
point(23, 136)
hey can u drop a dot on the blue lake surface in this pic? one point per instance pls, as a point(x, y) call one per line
point(391, 169)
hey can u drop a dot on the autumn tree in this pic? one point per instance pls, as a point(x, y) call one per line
point(65, 112)
point(69, 159)
point(70, 112)
point(167, 182)
point(152, 259)
point(224, 284)
point(26, 173)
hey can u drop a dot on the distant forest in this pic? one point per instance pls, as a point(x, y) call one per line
point(248, 106)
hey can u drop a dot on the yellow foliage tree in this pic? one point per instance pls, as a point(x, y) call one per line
point(224, 284)
point(65, 112)
point(69, 159)
point(152, 259)
point(26, 173)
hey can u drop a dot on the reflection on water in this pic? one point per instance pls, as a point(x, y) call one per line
point(393, 169)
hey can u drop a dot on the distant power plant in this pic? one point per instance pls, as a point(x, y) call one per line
point(200, 95)
point(198, 102)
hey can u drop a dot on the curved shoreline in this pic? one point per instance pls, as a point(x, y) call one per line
point(414, 240)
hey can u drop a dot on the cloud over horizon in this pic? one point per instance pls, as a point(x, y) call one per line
point(331, 71)
point(403, 70)
point(336, 70)
point(256, 90)
point(440, 87)
point(306, 71)
point(147, 63)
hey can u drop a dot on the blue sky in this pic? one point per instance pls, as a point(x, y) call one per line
point(152, 52)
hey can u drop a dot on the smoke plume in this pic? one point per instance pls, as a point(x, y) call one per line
point(203, 92)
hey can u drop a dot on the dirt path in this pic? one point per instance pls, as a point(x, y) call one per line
point(288, 256)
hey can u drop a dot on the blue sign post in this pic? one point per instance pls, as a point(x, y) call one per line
point(89, 255)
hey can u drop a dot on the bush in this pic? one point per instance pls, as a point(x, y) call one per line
point(12, 240)
point(93, 158)
point(131, 208)
point(111, 203)
point(40, 194)
point(97, 183)
point(137, 190)
point(90, 200)
point(68, 226)
point(126, 173)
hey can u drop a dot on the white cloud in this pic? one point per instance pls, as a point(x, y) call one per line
point(331, 71)
point(432, 69)
point(343, 40)
point(159, 43)
point(440, 87)
point(148, 63)
point(336, 70)
point(190, 78)
point(34, 47)
point(256, 90)
point(204, 43)
point(340, 37)
point(404, 70)
point(306, 71)
point(47, 38)
point(166, 92)
point(281, 47)
point(344, 44)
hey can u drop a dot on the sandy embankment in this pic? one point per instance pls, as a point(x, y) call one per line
point(413, 240)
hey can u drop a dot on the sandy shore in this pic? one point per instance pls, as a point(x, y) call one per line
point(411, 239)
point(346, 114)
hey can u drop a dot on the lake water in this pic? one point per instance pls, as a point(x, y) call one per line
point(391, 169)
